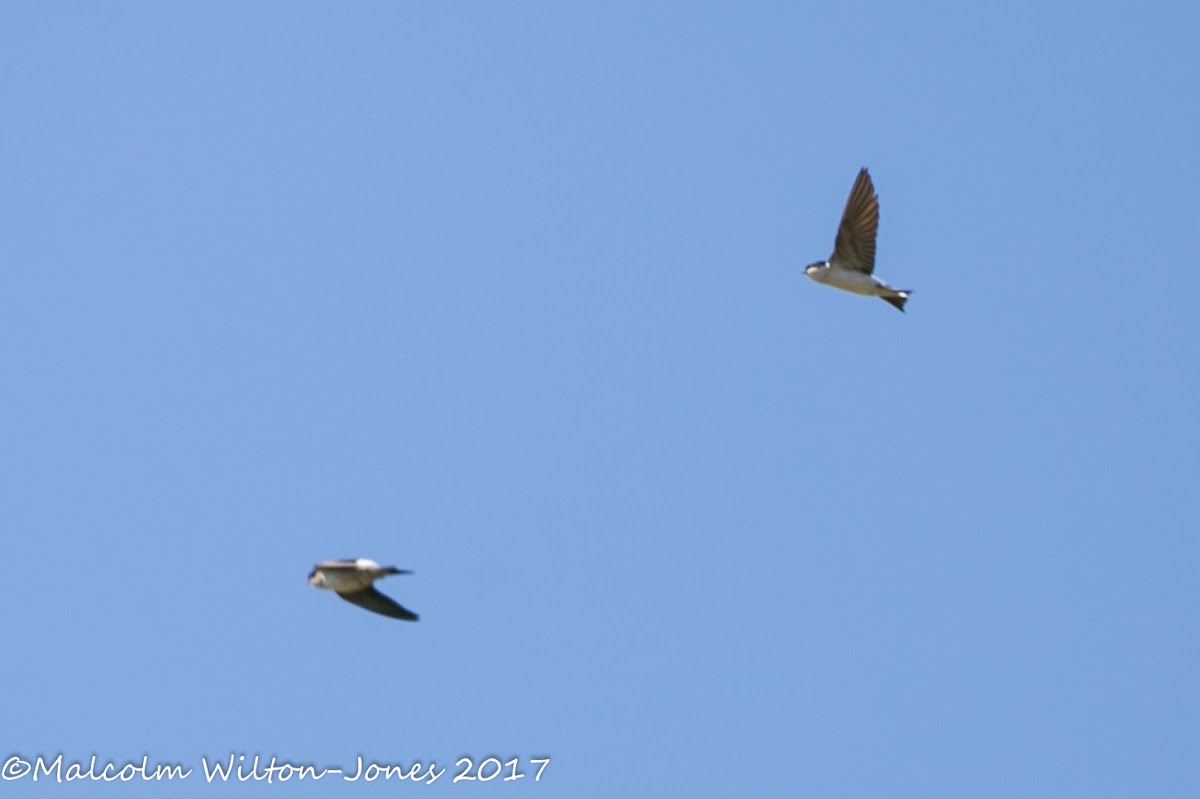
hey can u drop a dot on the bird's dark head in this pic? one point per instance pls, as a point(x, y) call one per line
point(815, 267)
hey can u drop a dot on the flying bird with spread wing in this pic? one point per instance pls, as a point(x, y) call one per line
point(354, 581)
point(852, 264)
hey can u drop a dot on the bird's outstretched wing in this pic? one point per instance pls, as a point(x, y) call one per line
point(372, 600)
point(855, 245)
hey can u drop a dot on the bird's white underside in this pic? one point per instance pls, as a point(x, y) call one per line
point(853, 281)
point(347, 580)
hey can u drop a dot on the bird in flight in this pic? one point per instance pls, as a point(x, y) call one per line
point(353, 581)
point(853, 261)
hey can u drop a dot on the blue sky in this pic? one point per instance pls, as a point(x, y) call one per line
point(511, 295)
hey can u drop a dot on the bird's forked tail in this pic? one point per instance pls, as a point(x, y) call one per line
point(897, 300)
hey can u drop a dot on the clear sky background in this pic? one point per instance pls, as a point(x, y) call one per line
point(511, 295)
